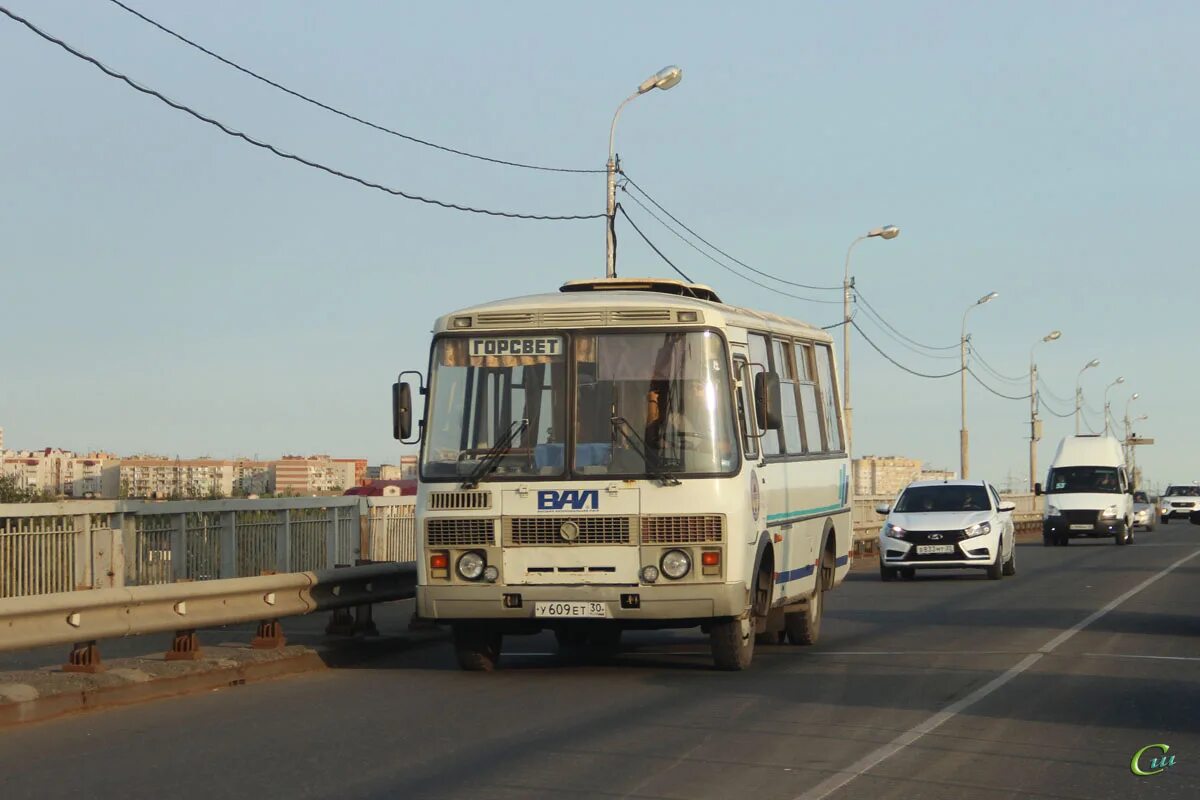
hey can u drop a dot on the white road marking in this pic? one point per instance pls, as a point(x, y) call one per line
point(874, 758)
point(1155, 658)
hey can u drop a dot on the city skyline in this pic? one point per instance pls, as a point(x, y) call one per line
point(1051, 167)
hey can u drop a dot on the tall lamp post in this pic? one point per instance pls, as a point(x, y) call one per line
point(1126, 446)
point(1120, 379)
point(885, 232)
point(664, 79)
point(962, 350)
point(1035, 424)
point(1095, 362)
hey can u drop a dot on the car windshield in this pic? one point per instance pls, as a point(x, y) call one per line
point(1100, 480)
point(1183, 491)
point(1140, 497)
point(949, 497)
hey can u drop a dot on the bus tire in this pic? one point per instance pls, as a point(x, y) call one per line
point(477, 647)
point(804, 627)
point(732, 642)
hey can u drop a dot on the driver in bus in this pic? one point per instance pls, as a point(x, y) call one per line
point(688, 425)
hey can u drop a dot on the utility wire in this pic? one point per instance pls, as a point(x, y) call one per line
point(997, 373)
point(723, 266)
point(271, 148)
point(338, 111)
point(871, 309)
point(683, 225)
point(905, 344)
point(670, 263)
point(1042, 403)
point(875, 347)
point(1046, 388)
point(983, 383)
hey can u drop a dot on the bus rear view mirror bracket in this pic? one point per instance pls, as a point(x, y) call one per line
point(768, 401)
point(1037, 490)
point(402, 408)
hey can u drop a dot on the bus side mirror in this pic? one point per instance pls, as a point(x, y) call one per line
point(768, 400)
point(1037, 489)
point(401, 411)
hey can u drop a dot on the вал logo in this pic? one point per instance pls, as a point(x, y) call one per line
point(1151, 760)
point(573, 499)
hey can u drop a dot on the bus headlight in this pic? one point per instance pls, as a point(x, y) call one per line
point(675, 564)
point(649, 573)
point(470, 565)
point(491, 574)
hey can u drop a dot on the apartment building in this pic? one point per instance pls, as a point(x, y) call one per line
point(315, 474)
point(168, 478)
point(55, 472)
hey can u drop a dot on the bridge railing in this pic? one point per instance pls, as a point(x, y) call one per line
point(47, 548)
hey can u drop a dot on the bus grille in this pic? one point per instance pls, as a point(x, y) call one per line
point(458, 532)
point(546, 530)
point(459, 501)
point(688, 529)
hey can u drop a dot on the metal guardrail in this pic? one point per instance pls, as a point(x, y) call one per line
point(47, 548)
point(87, 617)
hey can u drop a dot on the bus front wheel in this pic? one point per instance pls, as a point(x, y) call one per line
point(477, 647)
point(732, 643)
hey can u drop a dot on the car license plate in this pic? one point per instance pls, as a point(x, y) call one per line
point(588, 609)
point(925, 549)
point(1081, 527)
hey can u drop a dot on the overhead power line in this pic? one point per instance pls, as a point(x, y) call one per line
point(875, 347)
point(995, 372)
point(681, 224)
point(723, 266)
point(646, 239)
point(272, 148)
point(1042, 403)
point(334, 109)
point(1046, 388)
point(904, 344)
point(871, 310)
point(984, 384)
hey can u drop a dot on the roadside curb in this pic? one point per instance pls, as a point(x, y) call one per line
point(29, 696)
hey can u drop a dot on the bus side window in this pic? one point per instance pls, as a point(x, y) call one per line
point(749, 432)
point(760, 353)
point(831, 404)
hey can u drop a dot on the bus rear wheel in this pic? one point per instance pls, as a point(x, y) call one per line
point(804, 627)
point(477, 647)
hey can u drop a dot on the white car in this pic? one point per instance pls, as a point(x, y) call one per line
point(1179, 501)
point(1143, 512)
point(947, 525)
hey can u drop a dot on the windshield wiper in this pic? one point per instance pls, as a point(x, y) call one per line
point(491, 459)
point(653, 465)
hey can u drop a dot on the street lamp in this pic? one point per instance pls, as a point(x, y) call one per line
point(1095, 362)
point(1035, 427)
point(962, 434)
point(885, 232)
point(1120, 379)
point(664, 79)
point(1128, 430)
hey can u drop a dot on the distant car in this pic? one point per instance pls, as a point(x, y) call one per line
point(947, 525)
point(1178, 501)
point(1143, 512)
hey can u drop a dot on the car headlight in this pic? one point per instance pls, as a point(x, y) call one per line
point(470, 565)
point(1109, 513)
point(978, 529)
point(894, 531)
point(1053, 511)
point(675, 564)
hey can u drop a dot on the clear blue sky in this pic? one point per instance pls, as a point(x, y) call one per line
point(167, 288)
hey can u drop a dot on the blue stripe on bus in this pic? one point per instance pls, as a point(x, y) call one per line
point(805, 512)
point(842, 561)
point(795, 574)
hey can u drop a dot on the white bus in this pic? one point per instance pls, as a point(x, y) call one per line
point(627, 454)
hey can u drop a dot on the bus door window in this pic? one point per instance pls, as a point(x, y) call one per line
point(749, 426)
point(760, 353)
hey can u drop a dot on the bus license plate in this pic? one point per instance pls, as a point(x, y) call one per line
point(563, 608)
point(923, 549)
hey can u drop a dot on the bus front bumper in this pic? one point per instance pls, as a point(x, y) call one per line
point(662, 603)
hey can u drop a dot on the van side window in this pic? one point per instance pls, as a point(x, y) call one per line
point(760, 354)
point(749, 425)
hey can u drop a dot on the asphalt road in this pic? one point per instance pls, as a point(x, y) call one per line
point(950, 686)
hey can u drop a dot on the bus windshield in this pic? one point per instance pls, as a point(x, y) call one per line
point(484, 390)
point(647, 404)
point(655, 402)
